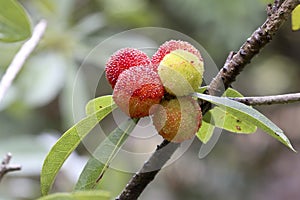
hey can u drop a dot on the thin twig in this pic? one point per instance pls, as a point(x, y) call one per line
point(20, 58)
point(222, 81)
point(268, 100)
point(5, 167)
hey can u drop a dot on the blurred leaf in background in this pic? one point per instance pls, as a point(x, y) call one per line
point(14, 22)
point(296, 18)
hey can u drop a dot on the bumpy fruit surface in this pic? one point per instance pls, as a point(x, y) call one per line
point(181, 72)
point(124, 59)
point(172, 45)
point(178, 119)
point(137, 90)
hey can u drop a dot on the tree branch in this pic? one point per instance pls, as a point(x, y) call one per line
point(252, 46)
point(5, 167)
point(226, 76)
point(268, 100)
point(20, 58)
point(141, 179)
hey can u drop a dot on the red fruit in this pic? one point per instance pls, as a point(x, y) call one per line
point(178, 119)
point(137, 90)
point(124, 59)
point(172, 45)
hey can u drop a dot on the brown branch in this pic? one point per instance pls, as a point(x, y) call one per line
point(268, 100)
point(232, 67)
point(5, 167)
point(251, 47)
point(141, 179)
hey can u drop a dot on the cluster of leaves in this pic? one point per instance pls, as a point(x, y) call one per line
point(236, 117)
point(227, 114)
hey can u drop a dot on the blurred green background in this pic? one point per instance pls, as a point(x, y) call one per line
point(38, 108)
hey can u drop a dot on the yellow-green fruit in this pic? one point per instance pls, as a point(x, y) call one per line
point(177, 120)
point(181, 72)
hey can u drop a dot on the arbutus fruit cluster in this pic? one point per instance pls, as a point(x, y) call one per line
point(159, 87)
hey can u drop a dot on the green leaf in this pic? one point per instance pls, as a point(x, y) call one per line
point(14, 22)
point(67, 143)
point(103, 155)
point(249, 114)
point(225, 120)
point(231, 93)
point(218, 117)
point(79, 195)
point(296, 18)
point(205, 132)
point(95, 104)
point(228, 121)
point(201, 89)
